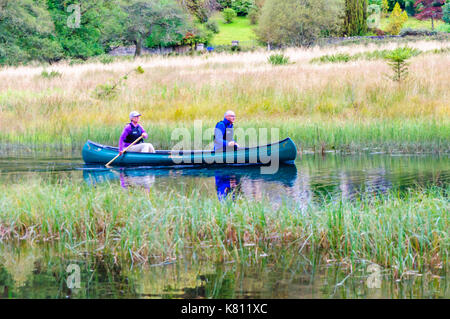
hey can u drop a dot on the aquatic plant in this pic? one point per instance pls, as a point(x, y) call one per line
point(402, 231)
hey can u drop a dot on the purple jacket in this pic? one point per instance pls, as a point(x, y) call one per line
point(127, 130)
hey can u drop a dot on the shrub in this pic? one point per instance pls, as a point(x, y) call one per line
point(229, 15)
point(50, 75)
point(409, 7)
point(333, 58)
point(295, 23)
point(416, 32)
point(379, 32)
point(236, 48)
point(106, 59)
point(278, 59)
point(396, 20)
point(242, 7)
point(212, 26)
point(444, 28)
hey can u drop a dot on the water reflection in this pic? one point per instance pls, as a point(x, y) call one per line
point(229, 181)
point(311, 178)
point(41, 272)
point(227, 184)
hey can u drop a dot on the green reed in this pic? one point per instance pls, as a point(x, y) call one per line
point(401, 230)
point(348, 136)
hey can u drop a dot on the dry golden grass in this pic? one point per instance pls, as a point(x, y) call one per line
point(181, 89)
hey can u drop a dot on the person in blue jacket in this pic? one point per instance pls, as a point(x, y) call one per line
point(226, 184)
point(223, 134)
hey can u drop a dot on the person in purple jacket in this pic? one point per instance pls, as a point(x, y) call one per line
point(131, 132)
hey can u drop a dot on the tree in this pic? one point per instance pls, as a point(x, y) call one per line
point(355, 22)
point(27, 32)
point(228, 15)
point(144, 16)
point(384, 7)
point(201, 9)
point(99, 26)
point(397, 61)
point(429, 9)
point(446, 12)
point(295, 23)
point(396, 20)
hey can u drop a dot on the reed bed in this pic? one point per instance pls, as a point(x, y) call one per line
point(314, 104)
point(408, 136)
point(402, 231)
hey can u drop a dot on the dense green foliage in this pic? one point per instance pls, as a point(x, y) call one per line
point(241, 7)
point(50, 30)
point(27, 33)
point(294, 23)
point(278, 59)
point(446, 12)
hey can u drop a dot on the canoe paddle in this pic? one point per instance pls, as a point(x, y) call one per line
point(138, 139)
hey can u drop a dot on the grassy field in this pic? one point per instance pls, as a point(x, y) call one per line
point(401, 231)
point(344, 106)
point(240, 29)
point(413, 23)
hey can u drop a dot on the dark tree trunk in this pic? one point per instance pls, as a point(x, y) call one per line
point(138, 51)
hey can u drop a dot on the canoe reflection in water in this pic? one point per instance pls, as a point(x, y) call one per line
point(236, 180)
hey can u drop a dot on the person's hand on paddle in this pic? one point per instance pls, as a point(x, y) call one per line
point(145, 135)
point(233, 144)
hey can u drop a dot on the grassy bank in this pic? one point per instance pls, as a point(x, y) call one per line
point(407, 231)
point(339, 105)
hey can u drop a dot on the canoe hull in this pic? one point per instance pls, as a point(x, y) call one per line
point(284, 151)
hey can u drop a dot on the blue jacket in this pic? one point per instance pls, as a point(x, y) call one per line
point(223, 134)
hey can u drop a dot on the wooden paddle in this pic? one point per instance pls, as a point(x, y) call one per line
point(138, 139)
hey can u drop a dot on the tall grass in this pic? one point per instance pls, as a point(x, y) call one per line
point(411, 136)
point(300, 98)
point(403, 231)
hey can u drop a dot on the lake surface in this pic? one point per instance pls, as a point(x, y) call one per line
point(27, 272)
point(312, 176)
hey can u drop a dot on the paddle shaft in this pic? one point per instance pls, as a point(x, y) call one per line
point(138, 139)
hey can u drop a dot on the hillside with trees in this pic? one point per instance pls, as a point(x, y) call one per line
point(51, 30)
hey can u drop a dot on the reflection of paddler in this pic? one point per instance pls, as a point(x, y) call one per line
point(227, 184)
point(145, 181)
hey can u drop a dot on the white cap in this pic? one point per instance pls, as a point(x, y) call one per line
point(134, 114)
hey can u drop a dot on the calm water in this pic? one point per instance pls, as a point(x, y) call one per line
point(313, 177)
point(42, 272)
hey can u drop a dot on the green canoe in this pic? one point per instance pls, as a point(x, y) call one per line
point(283, 151)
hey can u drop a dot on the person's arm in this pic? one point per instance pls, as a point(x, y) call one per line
point(143, 131)
point(123, 136)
